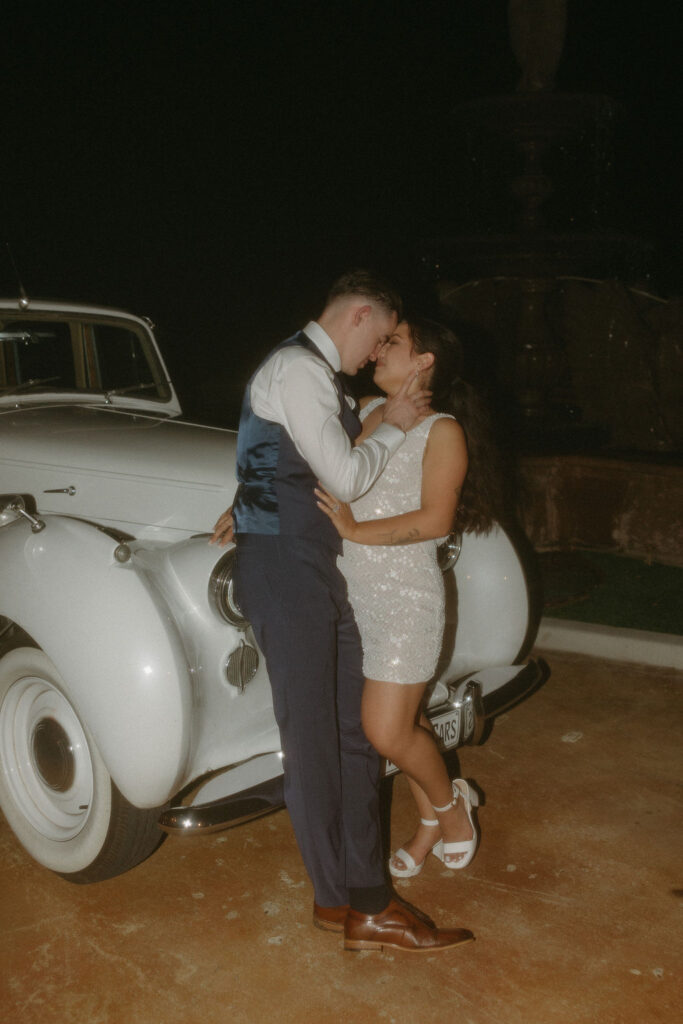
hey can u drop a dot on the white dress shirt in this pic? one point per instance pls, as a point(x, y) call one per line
point(296, 389)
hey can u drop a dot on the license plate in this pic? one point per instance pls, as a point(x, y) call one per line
point(447, 727)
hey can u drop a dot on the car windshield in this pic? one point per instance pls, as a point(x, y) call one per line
point(90, 355)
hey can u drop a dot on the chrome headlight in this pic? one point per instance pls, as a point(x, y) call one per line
point(221, 591)
point(448, 551)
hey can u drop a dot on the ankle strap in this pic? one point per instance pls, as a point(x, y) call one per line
point(453, 802)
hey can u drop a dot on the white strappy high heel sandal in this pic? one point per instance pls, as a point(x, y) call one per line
point(411, 868)
point(467, 847)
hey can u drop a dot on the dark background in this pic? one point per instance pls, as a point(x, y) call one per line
point(214, 164)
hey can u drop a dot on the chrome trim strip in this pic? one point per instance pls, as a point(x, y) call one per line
point(224, 813)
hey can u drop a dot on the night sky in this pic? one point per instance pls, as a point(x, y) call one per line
point(214, 164)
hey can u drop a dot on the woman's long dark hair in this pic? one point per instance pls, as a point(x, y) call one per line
point(481, 502)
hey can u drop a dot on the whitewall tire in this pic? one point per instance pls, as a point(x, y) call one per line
point(55, 790)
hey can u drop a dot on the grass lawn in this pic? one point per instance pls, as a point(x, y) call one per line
point(612, 590)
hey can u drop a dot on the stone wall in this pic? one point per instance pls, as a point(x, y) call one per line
point(575, 501)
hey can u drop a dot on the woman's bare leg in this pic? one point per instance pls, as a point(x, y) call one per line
point(393, 724)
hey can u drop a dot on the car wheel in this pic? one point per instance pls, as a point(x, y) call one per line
point(55, 790)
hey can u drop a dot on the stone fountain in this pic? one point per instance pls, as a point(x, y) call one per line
point(587, 355)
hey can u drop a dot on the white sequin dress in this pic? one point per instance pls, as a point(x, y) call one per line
point(396, 591)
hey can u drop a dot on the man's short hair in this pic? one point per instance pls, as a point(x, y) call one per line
point(362, 282)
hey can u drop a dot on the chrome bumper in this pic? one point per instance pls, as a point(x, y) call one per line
point(462, 718)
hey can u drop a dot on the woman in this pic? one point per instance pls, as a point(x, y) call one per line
point(442, 476)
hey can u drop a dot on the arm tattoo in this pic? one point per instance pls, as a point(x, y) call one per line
point(410, 537)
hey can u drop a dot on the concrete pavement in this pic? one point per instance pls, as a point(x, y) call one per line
point(574, 895)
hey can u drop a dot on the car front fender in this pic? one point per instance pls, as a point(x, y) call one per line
point(114, 643)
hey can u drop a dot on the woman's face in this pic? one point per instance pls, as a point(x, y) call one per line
point(396, 360)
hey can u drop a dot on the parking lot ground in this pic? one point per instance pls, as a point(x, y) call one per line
point(574, 895)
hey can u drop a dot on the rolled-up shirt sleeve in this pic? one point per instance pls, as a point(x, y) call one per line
point(297, 390)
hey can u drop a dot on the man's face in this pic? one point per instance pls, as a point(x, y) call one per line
point(372, 327)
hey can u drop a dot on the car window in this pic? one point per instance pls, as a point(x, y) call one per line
point(79, 354)
point(34, 350)
point(122, 363)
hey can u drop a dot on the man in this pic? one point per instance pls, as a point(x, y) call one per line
point(296, 428)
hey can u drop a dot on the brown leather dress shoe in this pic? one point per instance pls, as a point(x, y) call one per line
point(397, 927)
point(330, 919)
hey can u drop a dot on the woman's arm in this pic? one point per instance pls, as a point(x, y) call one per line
point(444, 466)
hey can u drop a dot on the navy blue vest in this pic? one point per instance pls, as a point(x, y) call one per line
point(275, 494)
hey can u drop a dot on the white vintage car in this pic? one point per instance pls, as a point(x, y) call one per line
point(133, 699)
